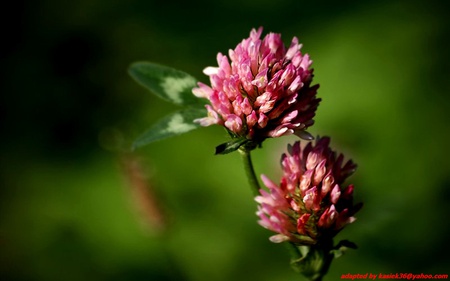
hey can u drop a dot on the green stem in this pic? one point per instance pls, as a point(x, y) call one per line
point(249, 170)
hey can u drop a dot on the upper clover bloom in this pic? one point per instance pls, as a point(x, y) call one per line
point(310, 204)
point(262, 90)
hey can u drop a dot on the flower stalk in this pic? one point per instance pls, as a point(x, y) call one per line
point(249, 170)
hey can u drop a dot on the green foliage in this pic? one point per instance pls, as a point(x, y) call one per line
point(231, 146)
point(312, 262)
point(173, 124)
point(167, 83)
point(174, 86)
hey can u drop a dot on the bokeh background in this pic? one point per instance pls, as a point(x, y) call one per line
point(76, 205)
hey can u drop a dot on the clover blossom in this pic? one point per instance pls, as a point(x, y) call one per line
point(310, 204)
point(264, 92)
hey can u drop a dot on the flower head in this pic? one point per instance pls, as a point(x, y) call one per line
point(263, 92)
point(310, 203)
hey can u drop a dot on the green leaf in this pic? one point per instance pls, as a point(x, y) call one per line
point(231, 146)
point(342, 247)
point(346, 243)
point(314, 262)
point(167, 83)
point(177, 123)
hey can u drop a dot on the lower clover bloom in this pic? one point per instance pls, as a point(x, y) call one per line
point(263, 90)
point(310, 204)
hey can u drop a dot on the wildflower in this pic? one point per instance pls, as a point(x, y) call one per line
point(310, 204)
point(264, 92)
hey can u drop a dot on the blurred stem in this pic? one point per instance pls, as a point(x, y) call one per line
point(249, 170)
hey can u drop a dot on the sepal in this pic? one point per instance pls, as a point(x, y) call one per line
point(304, 135)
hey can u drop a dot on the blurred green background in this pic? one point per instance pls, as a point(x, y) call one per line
point(74, 206)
